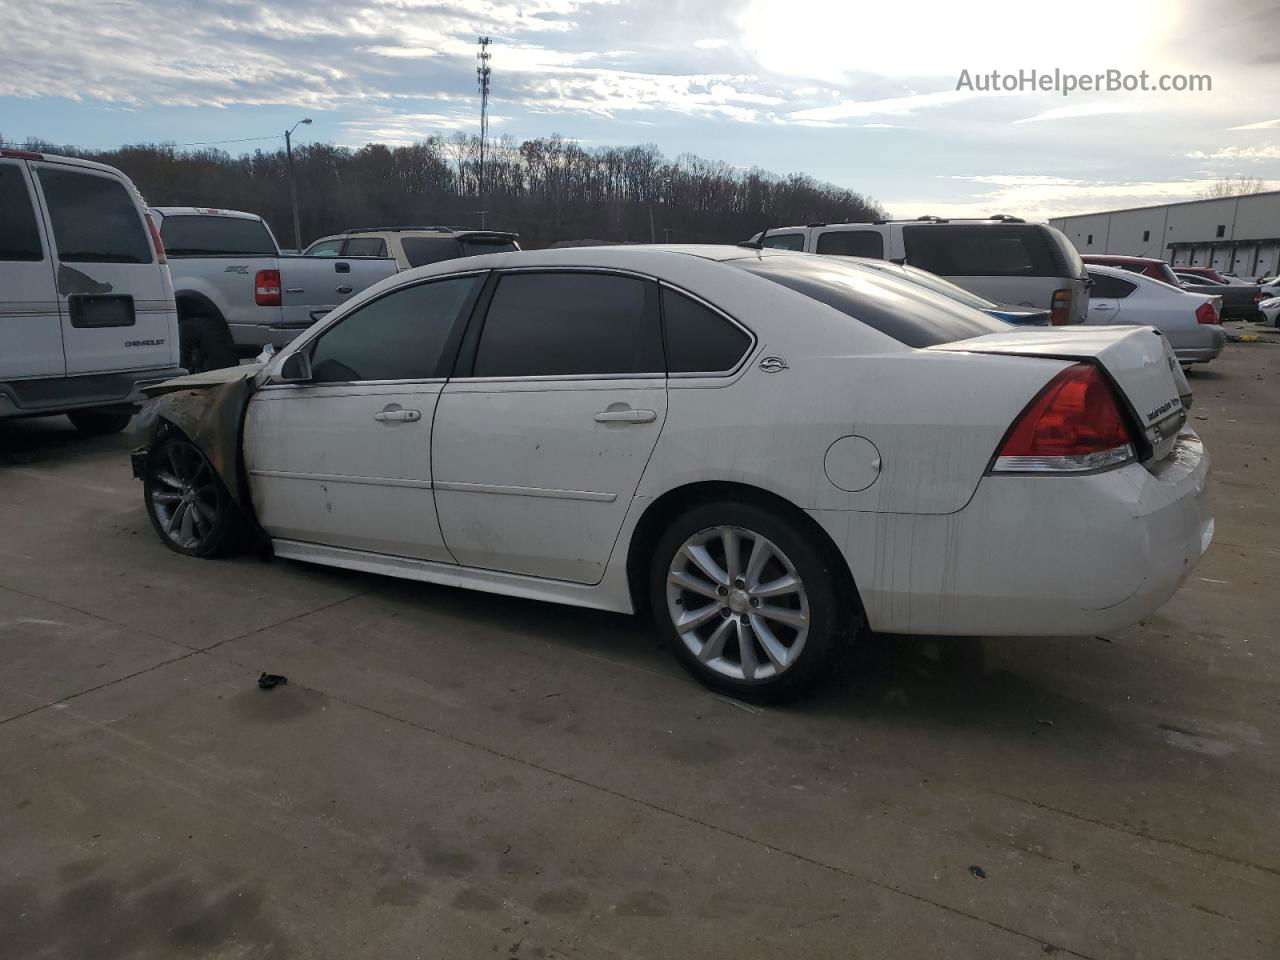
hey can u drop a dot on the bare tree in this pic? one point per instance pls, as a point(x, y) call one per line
point(1238, 186)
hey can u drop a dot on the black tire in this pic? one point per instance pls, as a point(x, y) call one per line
point(205, 343)
point(99, 423)
point(187, 503)
point(828, 613)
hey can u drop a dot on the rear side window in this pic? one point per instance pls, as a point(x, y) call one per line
point(984, 250)
point(365, 247)
point(420, 251)
point(851, 243)
point(570, 325)
point(903, 310)
point(95, 218)
point(784, 241)
point(1110, 288)
point(196, 236)
point(19, 234)
point(698, 339)
point(397, 337)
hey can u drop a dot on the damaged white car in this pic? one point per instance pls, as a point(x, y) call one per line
point(765, 449)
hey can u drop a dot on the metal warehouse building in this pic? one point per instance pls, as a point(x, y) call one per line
point(1239, 235)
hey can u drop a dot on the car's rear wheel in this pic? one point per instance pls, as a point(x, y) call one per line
point(204, 343)
point(99, 423)
point(746, 598)
point(187, 502)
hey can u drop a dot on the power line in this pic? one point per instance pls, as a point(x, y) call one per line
point(116, 146)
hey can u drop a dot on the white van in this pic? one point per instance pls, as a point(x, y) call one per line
point(87, 314)
point(1003, 258)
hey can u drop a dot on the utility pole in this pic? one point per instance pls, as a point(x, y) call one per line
point(482, 81)
point(293, 189)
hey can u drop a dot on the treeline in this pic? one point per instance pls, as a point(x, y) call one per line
point(547, 189)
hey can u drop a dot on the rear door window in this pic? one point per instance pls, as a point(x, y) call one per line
point(905, 311)
point(1110, 288)
point(851, 243)
point(784, 241)
point(420, 251)
point(567, 324)
point(95, 218)
point(698, 339)
point(365, 247)
point(984, 250)
point(19, 232)
point(474, 246)
point(192, 235)
point(325, 248)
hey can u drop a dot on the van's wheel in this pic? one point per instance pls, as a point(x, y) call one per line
point(187, 502)
point(747, 600)
point(99, 423)
point(205, 343)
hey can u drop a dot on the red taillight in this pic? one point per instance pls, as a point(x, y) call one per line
point(1060, 309)
point(266, 288)
point(1073, 424)
point(155, 240)
point(1257, 298)
point(1205, 313)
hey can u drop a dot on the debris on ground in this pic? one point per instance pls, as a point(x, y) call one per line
point(269, 680)
point(978, 872)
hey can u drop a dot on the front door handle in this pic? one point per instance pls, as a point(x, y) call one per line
point(626, 416)
point(398, 416)
point(344, 289)
point(1103, 307)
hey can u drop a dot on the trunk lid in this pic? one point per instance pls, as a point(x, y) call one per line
point(1139, 361)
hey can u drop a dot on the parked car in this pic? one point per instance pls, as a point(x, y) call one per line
point(1239, 301)
point(1003, 259)
point(1207, 273)
point(1190, 322)
point(87, 316)
point(1270, 310)
point(1018, 316)
point(413, 246)
point(236, 292)
point(763, 448)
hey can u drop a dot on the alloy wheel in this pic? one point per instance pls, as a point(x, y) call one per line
point(185, 495)
point(737, 603)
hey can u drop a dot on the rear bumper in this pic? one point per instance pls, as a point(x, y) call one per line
point(45, 396)
point(1035, 556)
point(1198, 344)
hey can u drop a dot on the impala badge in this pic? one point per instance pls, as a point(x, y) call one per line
point(773, 364)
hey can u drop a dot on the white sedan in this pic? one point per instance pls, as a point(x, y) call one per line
point(1192, 322)
point(1271, 311)
point(765, 449)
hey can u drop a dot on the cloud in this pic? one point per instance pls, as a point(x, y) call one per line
point(1260, 125)
point(1081, 110)
point(1268, 151)
point(850, 109)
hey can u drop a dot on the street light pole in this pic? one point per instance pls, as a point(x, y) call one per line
point(293, 189)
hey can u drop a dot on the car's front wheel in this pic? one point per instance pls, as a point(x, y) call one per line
point(187, 502)
point(747, 599)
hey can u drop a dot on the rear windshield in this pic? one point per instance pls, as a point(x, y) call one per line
point(932, 281)
point(903, 310)
point(196, 236)
point(986, 250)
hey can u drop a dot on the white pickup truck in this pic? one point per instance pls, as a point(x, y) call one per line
point(236, 293)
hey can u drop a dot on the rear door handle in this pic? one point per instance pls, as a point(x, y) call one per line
point(626, 416)
point(344, 289)
point(398, 416)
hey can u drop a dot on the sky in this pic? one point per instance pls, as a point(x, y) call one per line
point(864, 95)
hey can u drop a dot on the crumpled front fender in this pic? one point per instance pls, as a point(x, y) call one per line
point(211, 414)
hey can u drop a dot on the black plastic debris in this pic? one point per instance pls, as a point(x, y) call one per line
point(978, 872)
point(269, 680)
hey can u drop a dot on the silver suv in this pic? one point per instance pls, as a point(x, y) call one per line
point(413, 246)
point(1002, 258)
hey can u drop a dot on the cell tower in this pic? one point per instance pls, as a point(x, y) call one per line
point(482, 81)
